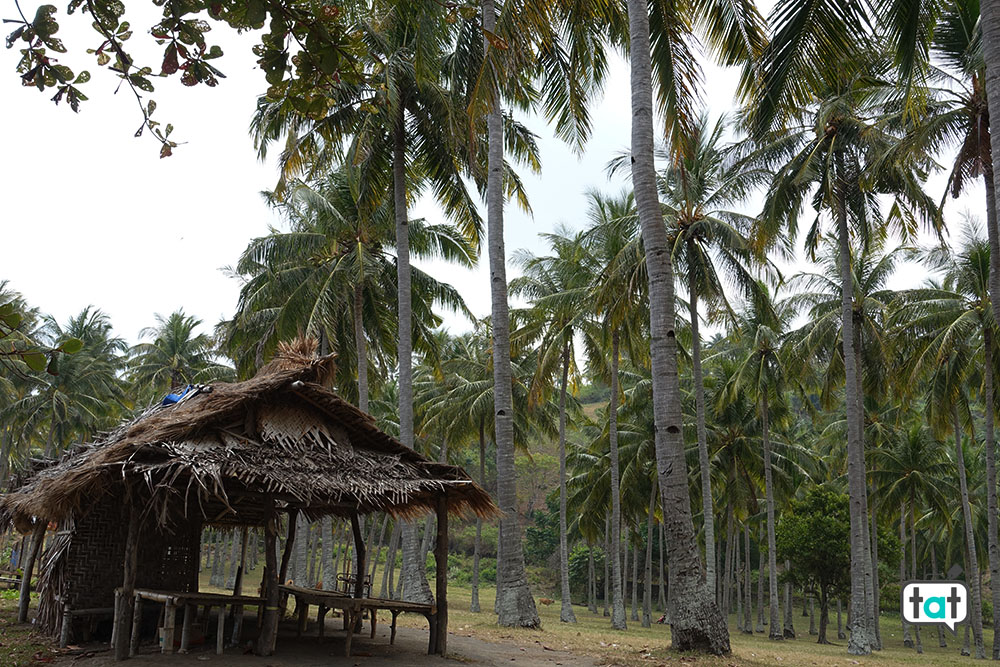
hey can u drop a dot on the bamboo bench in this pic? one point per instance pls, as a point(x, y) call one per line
point(171, 600)
point(354, 609)
point(69, 614)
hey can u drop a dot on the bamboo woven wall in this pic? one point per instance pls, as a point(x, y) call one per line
point(91, 567)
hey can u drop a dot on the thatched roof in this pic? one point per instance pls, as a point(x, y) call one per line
point(225, 452)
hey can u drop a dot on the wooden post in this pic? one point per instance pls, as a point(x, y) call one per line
point(67, 623)
point(287, 555)
point(169, 624)
point(220, 634)
point(128, 585)
point(189, 613)
point(441, 565)
point(37, 535)
point(133, 641)
point(269, 622)
point(359, 551)
point(238, 589)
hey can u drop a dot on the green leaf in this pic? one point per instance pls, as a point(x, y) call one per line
point(71, 346)
point(11, 319)
point(34, 360)
point(83, 77)
point(53, 367)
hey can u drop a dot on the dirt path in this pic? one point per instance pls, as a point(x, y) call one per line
point(410, 649)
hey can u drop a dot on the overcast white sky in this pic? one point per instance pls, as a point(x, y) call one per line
point(91, 215)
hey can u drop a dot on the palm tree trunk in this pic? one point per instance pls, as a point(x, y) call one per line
point(873, 536)
point(663, 573)
point(696, 623)
point(617, 595)
point(747, 583)
point(907, 639)
point(478, 549)
point(515, 606)
point(972, 575)
point(635, 579)
point(789, 627)
point(913, 564)
point(607, 563)
point(760, 591)
point(647, 582)
point(361, 345)
point(727, 588)
point(708, 511)
point(591, 581)
point(871, 565)
point(413, 575)
point(991, 479)
point(934, 575)
point(566, 614)
point(374, 547)
point(737, 587)
point(861, 639)
point(774, 614)
point(390, 563)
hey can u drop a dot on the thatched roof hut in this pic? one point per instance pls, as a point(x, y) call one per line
point(222, 448)
point(223, 454)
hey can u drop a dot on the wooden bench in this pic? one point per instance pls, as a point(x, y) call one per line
point(69, 614)
point(171, 600)
point(353, 609)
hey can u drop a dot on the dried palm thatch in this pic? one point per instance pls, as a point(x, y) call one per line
point(227, 453)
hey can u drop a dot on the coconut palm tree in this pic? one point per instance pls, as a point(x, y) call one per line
point(700, 187)
point(954, 321)
point(338, 258)
point(405, 129)
point(764, 374)
point(559, 287)
point(619, 292)
point(85, 397)
point(839, 159)
point(175, 356)
point(912, 473)
point(734, 35)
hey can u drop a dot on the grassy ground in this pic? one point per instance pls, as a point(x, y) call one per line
point(19, 645)
point(592, 636)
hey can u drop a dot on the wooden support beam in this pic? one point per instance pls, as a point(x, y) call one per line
point(359, 551)
point(287, 555)
point(34, 546)
point(269, 621)
point(128, 586)
point(441, 566)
